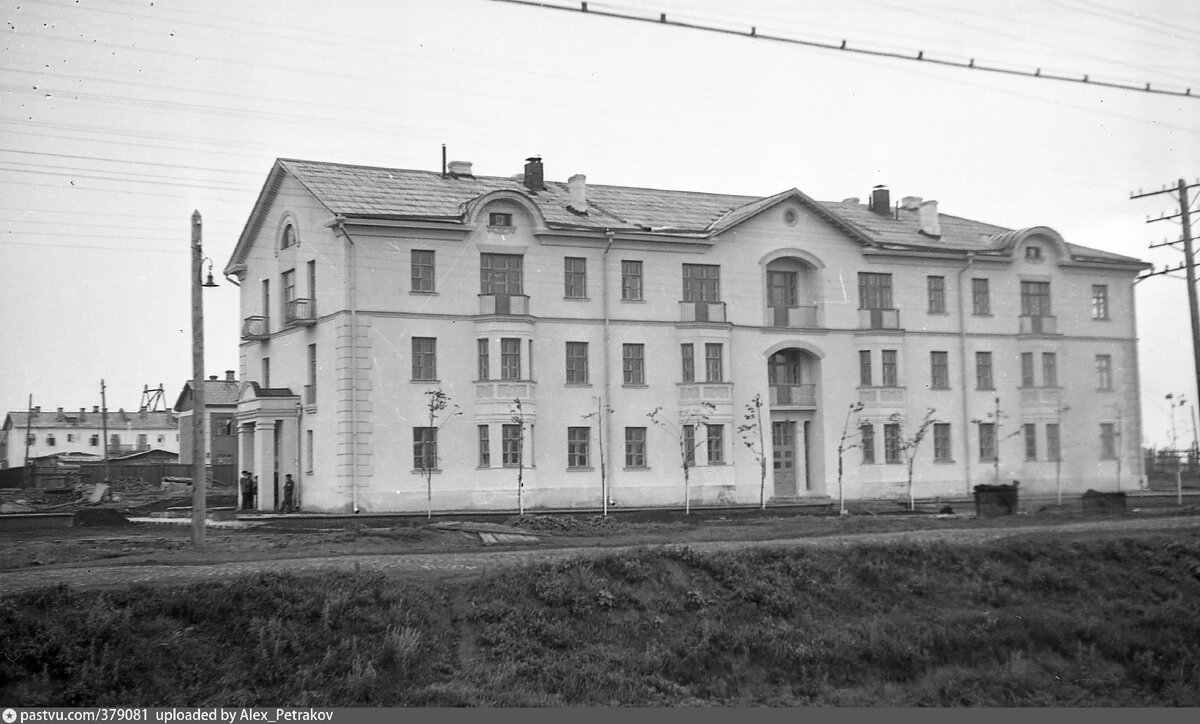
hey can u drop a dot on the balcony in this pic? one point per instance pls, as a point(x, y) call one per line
point(794, 395)
point(504, 304)
point(301, 313)
point(801, 317)
point(702, 311)
point(1039, 324)
point(879, 319)
point(255, 328)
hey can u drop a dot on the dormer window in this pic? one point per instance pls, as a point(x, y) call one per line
point(499, 219)
point(288, 238)
point(1033, 252)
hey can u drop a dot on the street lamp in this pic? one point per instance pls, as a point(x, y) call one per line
point(199, 469)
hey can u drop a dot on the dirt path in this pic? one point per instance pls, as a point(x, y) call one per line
point(85, 575)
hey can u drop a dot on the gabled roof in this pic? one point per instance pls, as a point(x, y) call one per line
point(373, 193)
point(117, 420)
point(216, 392)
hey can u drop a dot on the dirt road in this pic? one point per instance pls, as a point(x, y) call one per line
point(93, 575)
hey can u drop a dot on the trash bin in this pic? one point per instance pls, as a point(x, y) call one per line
point(996, 500)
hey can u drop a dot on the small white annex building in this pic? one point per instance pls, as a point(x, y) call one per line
point(367, 290)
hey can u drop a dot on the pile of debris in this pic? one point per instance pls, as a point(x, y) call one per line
point(591, 524)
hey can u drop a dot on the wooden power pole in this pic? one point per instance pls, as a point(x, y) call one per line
point(1189, 262)
point(199, 476)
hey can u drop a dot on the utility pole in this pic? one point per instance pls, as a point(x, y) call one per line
point(198, 467)
point(1189, 262)
point(28, 432)
point(104, 427)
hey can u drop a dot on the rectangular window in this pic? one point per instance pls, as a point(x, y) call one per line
point(635, 447)
point(425, 448)
point(577, 363)
point(1104, 372)
point(266, 372)
point(1030, 441)
point(308, 451)
point(941, 442)
point(633, 364)
point(981, 303)
point(1108, 441)
point(631, 281)
point(1049, 369)
point(422, 270)
point(890, 378)
point(715, 444)
point(688, 355)
point(874, 291)
point(497, 218)
point(935, 288)
point(424, 358)
point(578, 442)
point(701, 283)
point(70, 437)
point(114, 440)
point(713, 365)
point(312, 365)
point(1053, 442)
point(575, 277)
point(1099, 301)
point(510, 444)
point(266, 299)
point(939, 370)
point(510, 358)
point(867, 432)
point(1027, 369)
point(1035, 299)
point(485, 362)
point(891, 443)
point(312, 280)
point(50, 441)
point(987, 441)
point(781, 289)
point(864, 368)
point(485, 447)
point(289, 289)
point(689, 444)
point(500, 274)
point(94, 441)
point(983, 371)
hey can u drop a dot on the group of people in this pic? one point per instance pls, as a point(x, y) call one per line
point(249, 488)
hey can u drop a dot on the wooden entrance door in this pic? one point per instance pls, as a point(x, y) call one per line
point(783, 446)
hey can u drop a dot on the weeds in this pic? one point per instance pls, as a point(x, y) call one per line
point(1021, 624)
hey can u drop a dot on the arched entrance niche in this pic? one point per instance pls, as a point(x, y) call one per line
point(795, 420)
point(793, 284)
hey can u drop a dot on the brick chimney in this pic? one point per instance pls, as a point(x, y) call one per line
point(577, 186)
point(82, 410)
point(229, 376)
point(929, 219)
point(212, 378)
point(534, 175)
point(881, 200)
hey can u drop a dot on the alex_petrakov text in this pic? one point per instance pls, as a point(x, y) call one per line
point(232, 716)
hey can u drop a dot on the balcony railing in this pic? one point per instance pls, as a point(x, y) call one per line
point(879, 319)
point(794, 317)
point(504, 390)
point(301, 312)
point(1039, 324)
point(794, 395)
point(702, 311)
point(1041, 396)
point(504, 304)
point(713, 392)
point(882, 396)
point(255, 328)
point(310, 395)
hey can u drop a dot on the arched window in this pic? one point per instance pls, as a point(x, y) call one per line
point(288, 238)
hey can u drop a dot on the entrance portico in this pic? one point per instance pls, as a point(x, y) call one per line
point(267, 444)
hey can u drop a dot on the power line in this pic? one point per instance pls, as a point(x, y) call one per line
point(845, 47)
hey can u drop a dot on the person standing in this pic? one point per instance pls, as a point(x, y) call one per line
point(247, 486)
point(289, 493)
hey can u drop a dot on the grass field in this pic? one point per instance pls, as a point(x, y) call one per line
point(1036, 622)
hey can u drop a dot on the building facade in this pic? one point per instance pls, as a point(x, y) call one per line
point(586, 339)
point(218, 427)
point(55, 433)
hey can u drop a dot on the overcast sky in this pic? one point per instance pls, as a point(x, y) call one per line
point(119, 117)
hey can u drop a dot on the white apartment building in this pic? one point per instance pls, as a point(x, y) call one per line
point(364, 290)
point(55, 433)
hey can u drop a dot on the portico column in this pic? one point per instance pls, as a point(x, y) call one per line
point(264, 463)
